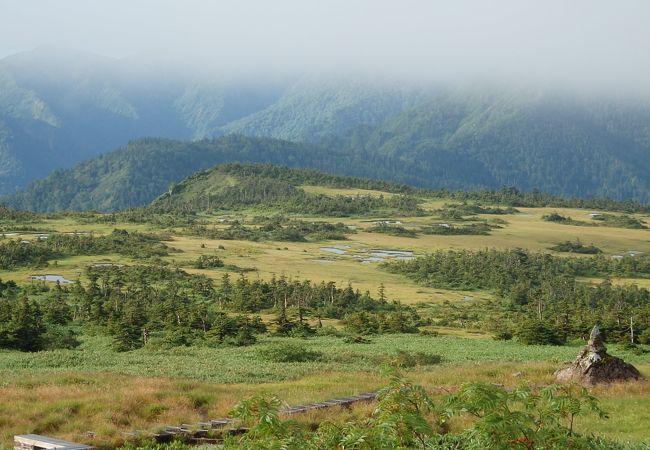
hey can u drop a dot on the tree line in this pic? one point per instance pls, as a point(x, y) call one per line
point(158, 305)
point(37, 252)
point(534, 288)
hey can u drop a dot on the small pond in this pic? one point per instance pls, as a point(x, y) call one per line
point(390, 253)
point(55, 278)
point(338, 249)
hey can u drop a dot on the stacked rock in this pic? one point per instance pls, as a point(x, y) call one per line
point(594, 365)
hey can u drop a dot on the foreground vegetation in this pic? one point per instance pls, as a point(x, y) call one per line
point(104, 391)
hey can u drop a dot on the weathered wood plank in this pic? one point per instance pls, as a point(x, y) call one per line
point(36, 441)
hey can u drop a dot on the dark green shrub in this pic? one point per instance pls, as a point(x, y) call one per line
point(644, 336)
point(404, 359)
point(291, 352)
point(576, 247)
point(503, 335)
point(302, 329)
point(539, 333)
point(356, 340)
point(208, 262)
point(60, 337)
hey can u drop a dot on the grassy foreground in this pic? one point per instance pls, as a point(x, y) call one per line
point(67, 392)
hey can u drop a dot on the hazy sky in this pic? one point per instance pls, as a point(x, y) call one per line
point(550, 40)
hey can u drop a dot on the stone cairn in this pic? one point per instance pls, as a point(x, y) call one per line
point(594, 365)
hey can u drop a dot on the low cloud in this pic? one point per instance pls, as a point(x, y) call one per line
point(594, 43)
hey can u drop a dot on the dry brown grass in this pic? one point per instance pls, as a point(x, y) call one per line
point(67, 404)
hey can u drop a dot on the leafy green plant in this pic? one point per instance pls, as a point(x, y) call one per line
point(521, 418)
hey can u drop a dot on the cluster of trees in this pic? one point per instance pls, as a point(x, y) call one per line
point(37, 252)
point(29, 325)
point(576, 247)
point(13, 215)
point(197, 193)
point(620, 221)
point(157, 305)
point(208, 262)
point(402, 320)
point(325, 300)
point(558, 218)
point(455, 210)
point(541, 288)
point(392, 230)
point(445, 229)
point(514, 197)
point(274, 229)
point(607, 220)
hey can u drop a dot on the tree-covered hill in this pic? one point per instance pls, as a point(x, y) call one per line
point(142, 170)
point(235, 186)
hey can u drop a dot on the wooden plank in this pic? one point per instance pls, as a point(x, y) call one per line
point(31, 441)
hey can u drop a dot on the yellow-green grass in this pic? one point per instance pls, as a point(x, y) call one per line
point(72, 268)
point(330, 191)
point(68, 404)
point(72, 224)
point(304, 260)
point(67, 392)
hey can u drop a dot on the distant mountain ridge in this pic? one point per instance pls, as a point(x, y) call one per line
point(57, 109)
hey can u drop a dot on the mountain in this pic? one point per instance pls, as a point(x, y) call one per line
point(312, 110)
point(139, 172)
point(562, 144)
point(60, 108)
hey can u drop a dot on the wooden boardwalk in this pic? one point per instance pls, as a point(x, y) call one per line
point(199, 432)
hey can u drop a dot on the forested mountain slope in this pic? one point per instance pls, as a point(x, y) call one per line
point(567, 146)
point(59, 108)
point(142, 170)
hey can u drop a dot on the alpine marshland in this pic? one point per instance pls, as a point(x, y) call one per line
point(323, 258)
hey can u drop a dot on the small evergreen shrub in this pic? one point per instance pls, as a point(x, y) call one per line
point(291, 352)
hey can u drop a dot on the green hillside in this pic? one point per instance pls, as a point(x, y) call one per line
point(143, 170)
point(274, 188)
point(58, 108)
point(567, 146)
point(140, 171)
